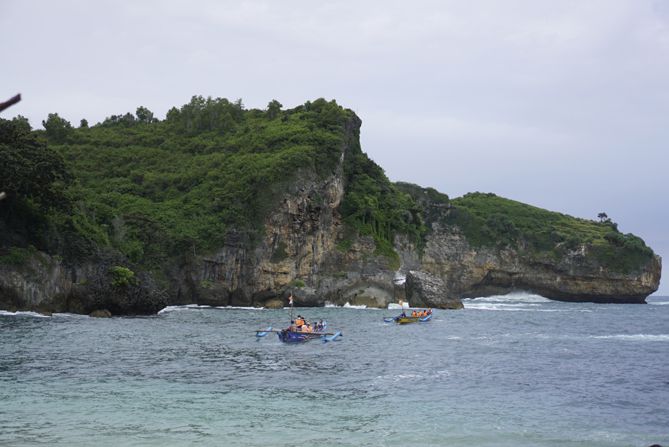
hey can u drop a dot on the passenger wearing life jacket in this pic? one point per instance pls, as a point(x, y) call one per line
point(414, 314)
point(299, 321)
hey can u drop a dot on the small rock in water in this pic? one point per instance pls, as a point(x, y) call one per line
point(274, 303)
point(100, 313)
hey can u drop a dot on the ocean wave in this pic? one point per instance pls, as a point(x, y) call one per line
point(182, 307)
point(243, 307)
point(514, 297)
point(489, 306)
point(346, 306)
point(517, 307)
point(351, 306)
point(201, 306)
point(500, 304)
point(69, 315)
point(634, 337)
point(6, 313)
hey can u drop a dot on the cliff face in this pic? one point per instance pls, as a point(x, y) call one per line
point(297, 254)
point(306, 249)
point(45, 284)
point(300, 253)
point(470, 272)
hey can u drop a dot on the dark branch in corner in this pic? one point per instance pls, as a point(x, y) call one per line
point(10, 102)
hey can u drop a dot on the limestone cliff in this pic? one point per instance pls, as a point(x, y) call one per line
point(306, 247)
point(470, 272)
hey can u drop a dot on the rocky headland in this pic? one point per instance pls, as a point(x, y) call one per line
point(313, 239)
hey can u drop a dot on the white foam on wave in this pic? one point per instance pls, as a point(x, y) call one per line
point(351, 306)
point(7, 313)
point(518, 308)
point(515, 301)
point(513, 297)
point(504, 305)
point(634, 337)
point(170, 309)
point(345, 306)
point(70, 315)
point(489, 306)
point(182, 307)
point(243, 307)
point(200, 307)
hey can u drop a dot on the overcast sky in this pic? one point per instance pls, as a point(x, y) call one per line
point(562, 104)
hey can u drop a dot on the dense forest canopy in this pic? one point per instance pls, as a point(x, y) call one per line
point(160, 189)
point(155, 189)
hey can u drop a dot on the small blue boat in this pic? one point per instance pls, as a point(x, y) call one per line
point(293, 334)
point(288, 336)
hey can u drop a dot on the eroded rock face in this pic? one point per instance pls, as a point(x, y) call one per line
point(36, 282)
point(44, 284)
point(469, 272)
point(298, 252)
point(426, 290)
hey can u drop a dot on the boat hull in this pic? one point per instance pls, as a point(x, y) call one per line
point(296, 337)
point(409, 320)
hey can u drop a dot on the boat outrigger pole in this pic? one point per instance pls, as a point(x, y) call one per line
point(290, 300)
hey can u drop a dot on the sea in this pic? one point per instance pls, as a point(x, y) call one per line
point(514, 370)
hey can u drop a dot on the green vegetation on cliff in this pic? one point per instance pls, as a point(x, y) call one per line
point(156, 190)
point(376, 207)
point(492, 221)
point(161, 189)
point(39, 209)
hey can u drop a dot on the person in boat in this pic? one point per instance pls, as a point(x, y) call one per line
point(299, 321)
point(414, 314)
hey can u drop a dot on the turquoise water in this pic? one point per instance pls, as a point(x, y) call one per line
point(506, 371)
